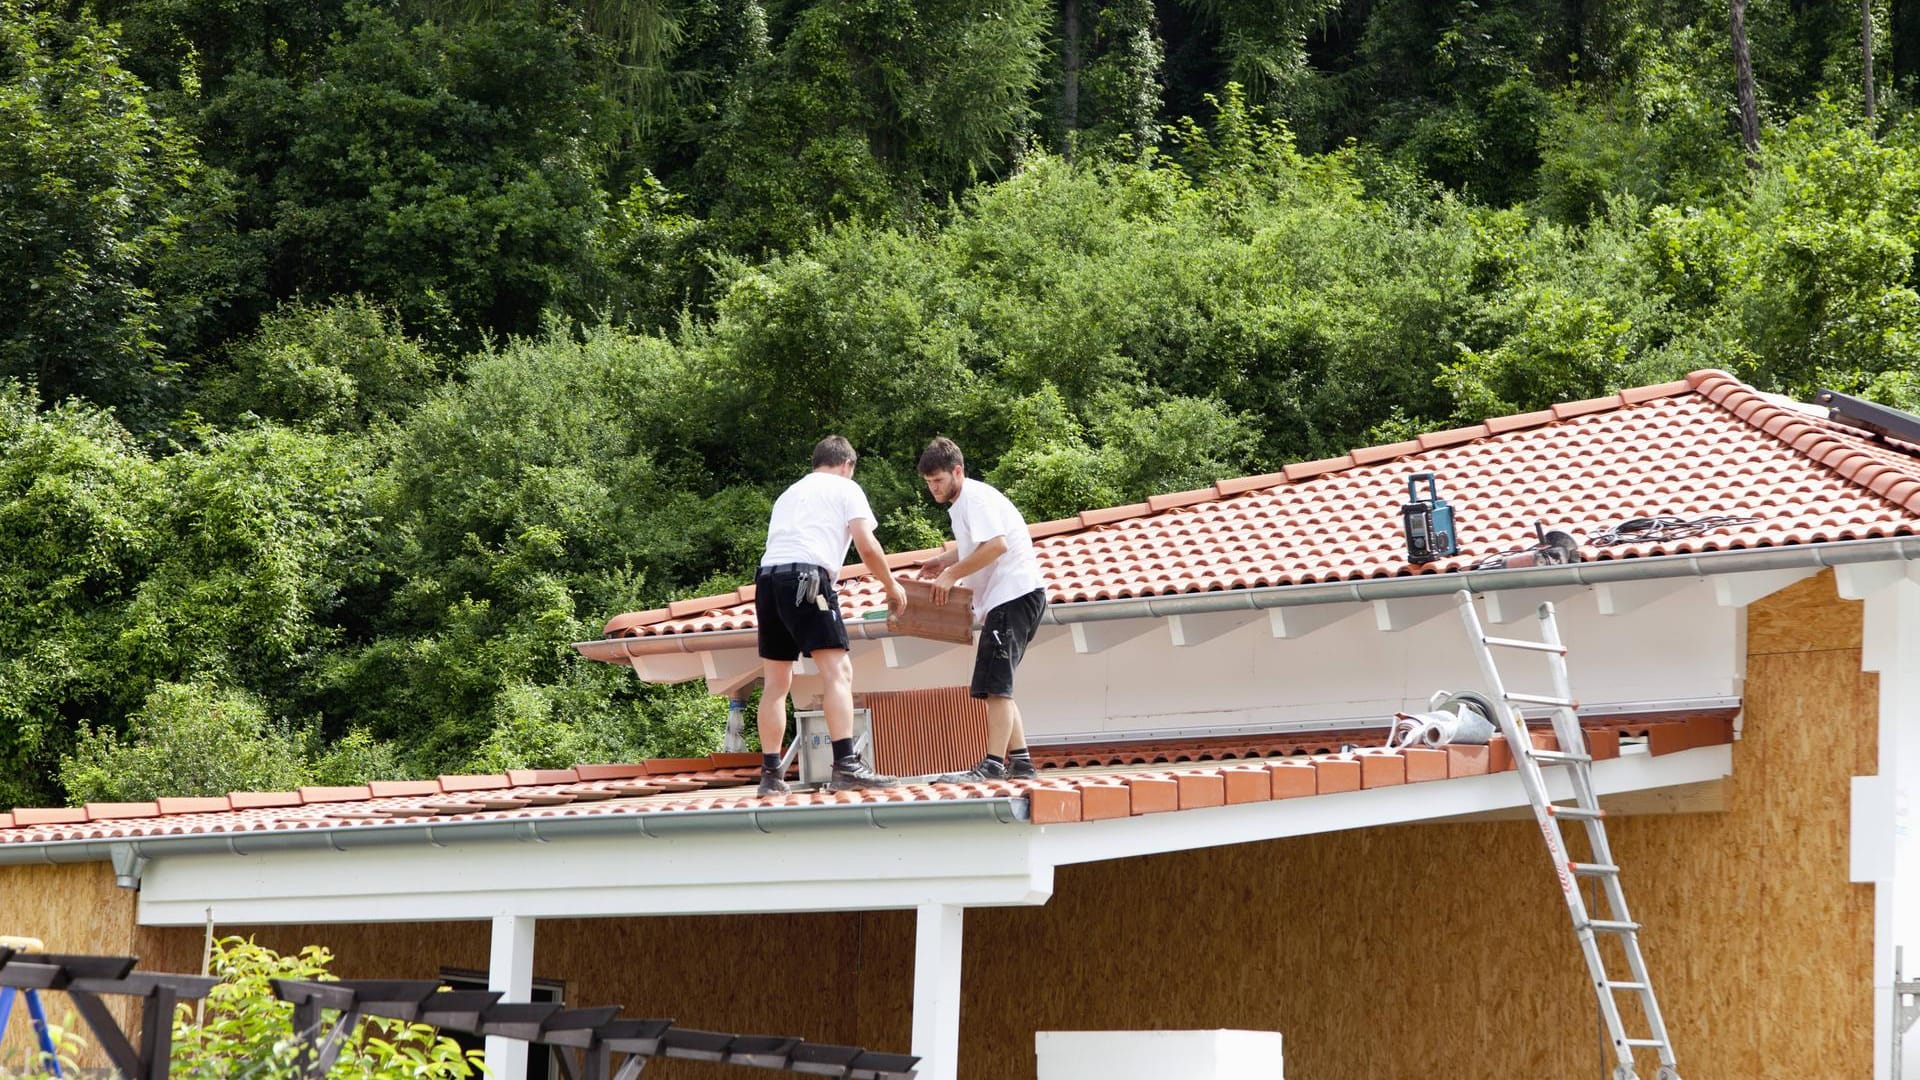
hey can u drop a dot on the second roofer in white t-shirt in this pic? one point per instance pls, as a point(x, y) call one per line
point(798, 610)
point(995, 559)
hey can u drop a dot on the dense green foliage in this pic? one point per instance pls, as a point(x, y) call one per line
point(362, 357)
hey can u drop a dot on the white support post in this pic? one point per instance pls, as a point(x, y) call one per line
point(510, 971)
point(936, 990)
point(1886, 846)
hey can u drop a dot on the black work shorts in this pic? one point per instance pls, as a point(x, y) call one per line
point(1004, 638)
point(789, 628)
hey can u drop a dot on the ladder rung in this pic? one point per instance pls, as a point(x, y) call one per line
point(1518, 643)
point(1542, 699)
point(1636, 987)
point(1593, 869)
point(1612, 926)
point(1646, 1042)
point(1575, 813)
point(1560, 757)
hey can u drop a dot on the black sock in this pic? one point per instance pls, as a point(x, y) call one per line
point(842, 749)
point(1022, 754)
point(997, 760)
point(769, 762)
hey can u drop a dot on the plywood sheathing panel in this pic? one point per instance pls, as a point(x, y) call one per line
point(73, 908)
point(1807, 616)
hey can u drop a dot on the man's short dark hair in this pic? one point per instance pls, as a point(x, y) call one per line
point(941, 456)
point(833, 450)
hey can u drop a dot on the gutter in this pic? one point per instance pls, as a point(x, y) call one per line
point(1637, 568)
point(130, 855)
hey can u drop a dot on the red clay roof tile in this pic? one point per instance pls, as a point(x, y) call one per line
point(382, 789)
point(486, 782)
point(1433, 440)
point(170, 805)
point(115, 810)
point(335, 794)
point(262, 800)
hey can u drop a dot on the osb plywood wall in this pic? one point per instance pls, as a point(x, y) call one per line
point(74, 908)
point(1418, 951)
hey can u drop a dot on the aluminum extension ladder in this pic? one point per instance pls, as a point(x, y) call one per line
point(1573, 757)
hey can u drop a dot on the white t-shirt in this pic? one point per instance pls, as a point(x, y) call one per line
point(812, 521)
point(980, 514)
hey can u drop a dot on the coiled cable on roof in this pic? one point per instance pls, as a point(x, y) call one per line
point(1655, 530)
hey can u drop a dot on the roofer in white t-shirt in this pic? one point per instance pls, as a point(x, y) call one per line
point(995, 560)
point(799, 612)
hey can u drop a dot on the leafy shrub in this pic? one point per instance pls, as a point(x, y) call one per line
point(248, 1031)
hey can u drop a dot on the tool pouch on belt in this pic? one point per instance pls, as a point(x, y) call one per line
point(807, 589)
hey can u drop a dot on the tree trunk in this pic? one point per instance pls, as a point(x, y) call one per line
point(1070, 76)
point(1743, 72)
point(1866, 55)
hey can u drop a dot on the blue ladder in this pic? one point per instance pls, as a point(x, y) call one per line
point(38, 1016)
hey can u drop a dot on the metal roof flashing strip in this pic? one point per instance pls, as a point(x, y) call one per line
point(129, 856)
point(1639, 568)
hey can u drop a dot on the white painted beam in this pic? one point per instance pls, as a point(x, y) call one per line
point(1300, 620)
point(728, 671)
point(936, 990)
point(676, 667)
point(1857, 581)
point(906, 652)
point(849, 867)
point(1885, 846)
point(1739, 590)
point(1097, 637)
point(510, 971)
point(1393, 616)
point(1505, 606)
point(1627, 597)
point(1188, 631)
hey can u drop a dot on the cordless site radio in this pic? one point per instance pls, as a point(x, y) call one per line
point(1429, 522)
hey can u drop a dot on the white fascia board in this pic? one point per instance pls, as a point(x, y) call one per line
point(853, 868)
point(1153, 834)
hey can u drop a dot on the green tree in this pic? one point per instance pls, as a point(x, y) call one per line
point(91, 179)
point(188, 739)
point(449, 171)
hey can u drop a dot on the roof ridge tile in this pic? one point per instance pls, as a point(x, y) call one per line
point(342, 793)
point(1567, 410)
point(1434, 440)
point(261, 800)
point(108, 811)
point(1240, 485)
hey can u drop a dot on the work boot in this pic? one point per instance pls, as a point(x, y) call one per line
point(1022, 768)
point(853, 772)
point(986, 772)
point(772, 783)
